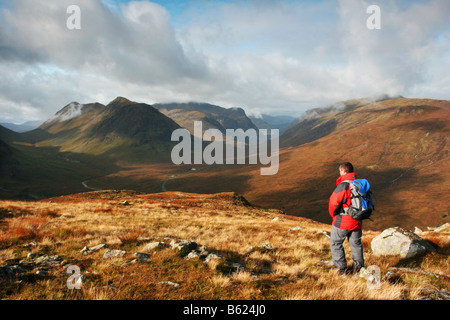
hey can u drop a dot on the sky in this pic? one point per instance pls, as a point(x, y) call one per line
point(279, 57)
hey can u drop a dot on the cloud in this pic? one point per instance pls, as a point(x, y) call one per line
point(265, 56)
point(396, 58)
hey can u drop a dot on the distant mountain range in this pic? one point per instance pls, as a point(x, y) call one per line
point(99, 136)
point(212, 116)
point(26, 126)
point(400, 145)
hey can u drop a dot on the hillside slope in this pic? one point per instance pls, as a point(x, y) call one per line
point(123, 130)
point(232, 250)
point(79, 143)
point(212, 116)
point(400, 145)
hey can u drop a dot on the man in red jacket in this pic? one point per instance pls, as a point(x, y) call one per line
point(343, 225)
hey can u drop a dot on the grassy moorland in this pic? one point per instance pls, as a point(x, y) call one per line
point(293, 267)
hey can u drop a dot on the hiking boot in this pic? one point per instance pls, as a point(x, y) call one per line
point(356, 267)
point(343, 272)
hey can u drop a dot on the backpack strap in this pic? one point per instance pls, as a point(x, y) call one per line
point(344, 200)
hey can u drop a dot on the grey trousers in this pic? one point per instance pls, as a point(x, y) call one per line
point(337, 249)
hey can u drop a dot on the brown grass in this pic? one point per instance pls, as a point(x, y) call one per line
point(222, 222)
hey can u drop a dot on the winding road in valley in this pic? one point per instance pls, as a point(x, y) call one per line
point(84, 183)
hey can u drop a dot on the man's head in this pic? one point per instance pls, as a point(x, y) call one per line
point(345, 168)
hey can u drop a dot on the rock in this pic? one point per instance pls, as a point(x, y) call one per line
point(398, 241)
point(212, 257)
point(433, 294)
point(85, 250)
point(49, 261)
point(235, 266)
point(326, 234)
point(296, 228)
point(98, 247)
point(418, 230)
point(201, 252)
point(31, 244)
point(42, 272)
point(9, 273)
point(183, 245)
point(266, 246)
point(124, 203)
point(154, 245)
point(444, 227)
point(142, 256)
point(193, 254)
point(143, 239)
point(32, 255)
point(170, 283)
point(114, 253)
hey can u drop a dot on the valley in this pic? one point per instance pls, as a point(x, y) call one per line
point(400, 145)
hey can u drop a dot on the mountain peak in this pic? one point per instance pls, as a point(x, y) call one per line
point(72, 110)
point(120, 101)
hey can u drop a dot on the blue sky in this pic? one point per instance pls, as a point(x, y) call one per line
point(266, 56)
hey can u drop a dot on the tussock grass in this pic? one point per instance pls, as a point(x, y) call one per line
point(225, 224)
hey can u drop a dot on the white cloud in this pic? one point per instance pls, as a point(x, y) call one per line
point(265, 56)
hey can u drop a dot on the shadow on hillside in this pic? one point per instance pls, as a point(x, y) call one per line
point(310, 198)
point(307, 131)
point(430, 125)
point(42, 172)
point(138, 184)
point(211, 180)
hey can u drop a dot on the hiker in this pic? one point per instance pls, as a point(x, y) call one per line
point(343, 225)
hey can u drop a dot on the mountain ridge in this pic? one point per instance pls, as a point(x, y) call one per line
point(400, 145)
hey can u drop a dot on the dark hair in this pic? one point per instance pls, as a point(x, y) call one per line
point(347, 166)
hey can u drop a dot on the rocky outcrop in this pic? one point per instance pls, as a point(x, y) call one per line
point(398, 241)
point(153, 246)
point(114, 253)
point(98, 247)
point(10, 273)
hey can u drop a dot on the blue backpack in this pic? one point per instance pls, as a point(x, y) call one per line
point(362, 204)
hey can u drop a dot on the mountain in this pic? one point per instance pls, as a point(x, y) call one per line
point(122, 130)
point(8, 135)
point(26, 126)
point(268, 122)
point(30, 172)
point(79, 143)
point(212, 116)
point(399, 145)
point(319, 122)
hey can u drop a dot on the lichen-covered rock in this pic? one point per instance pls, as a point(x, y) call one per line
point(153, 246)
point(398, 241)
point(114, 253)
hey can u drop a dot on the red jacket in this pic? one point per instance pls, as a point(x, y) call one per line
point(339, 199)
